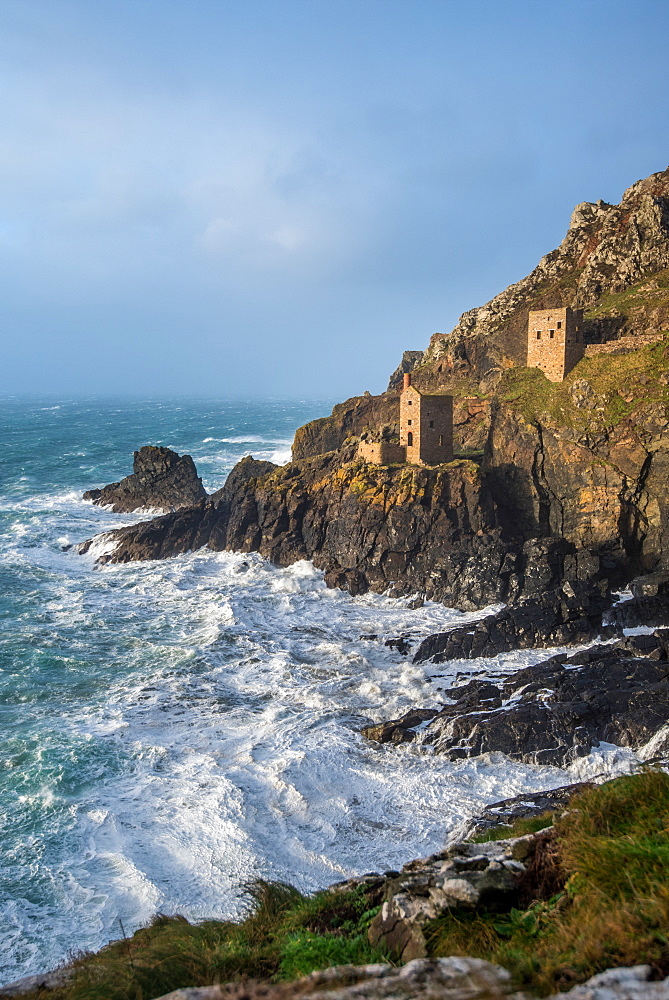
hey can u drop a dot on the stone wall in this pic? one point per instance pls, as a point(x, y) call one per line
point(381, 452)
point(426, 427)
point(436, 440)
point(623, 345)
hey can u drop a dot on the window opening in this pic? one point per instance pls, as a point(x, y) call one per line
point(410, 439)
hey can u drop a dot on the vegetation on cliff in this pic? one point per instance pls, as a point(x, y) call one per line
point(617, 385)
point(600, 888)
point(595, 896)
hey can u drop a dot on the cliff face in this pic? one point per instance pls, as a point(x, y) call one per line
point(588, 460)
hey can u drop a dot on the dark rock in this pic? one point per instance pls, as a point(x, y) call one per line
point(569, 615)
point(399, 730)
point(410, 360)
point(524, 806)
point(243, 472)
point(402, 644)
point(391, 529)
point(555, 711)
point(161, 480)
point(415, 604)
point(640, 611)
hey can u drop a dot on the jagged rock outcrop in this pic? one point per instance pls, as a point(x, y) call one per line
point(554, 712)
point(574, 486)
point(161, 480)
point(243, 472)
point(463, 878)
point(571, 614)
point(403, 529)
point(348, 419)
point(410, 359)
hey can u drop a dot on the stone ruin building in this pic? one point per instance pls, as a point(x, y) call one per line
point(555, 342)
point(426, 431)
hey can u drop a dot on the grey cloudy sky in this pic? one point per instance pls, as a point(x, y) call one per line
point(279, 196)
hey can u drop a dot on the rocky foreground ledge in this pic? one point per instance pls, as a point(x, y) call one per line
point(436, 979)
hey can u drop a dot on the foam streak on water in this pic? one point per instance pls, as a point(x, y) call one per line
point(173, 729)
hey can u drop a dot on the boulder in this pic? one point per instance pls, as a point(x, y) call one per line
point(464, 877)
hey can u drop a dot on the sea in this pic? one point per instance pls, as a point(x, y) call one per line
point(172, 730)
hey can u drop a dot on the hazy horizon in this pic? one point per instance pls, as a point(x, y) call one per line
point(278, 197)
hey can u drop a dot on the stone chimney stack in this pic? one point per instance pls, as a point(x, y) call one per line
point(407, 380)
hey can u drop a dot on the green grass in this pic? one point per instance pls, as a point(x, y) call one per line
point(622, 383)
point(601, 892)
point(651, 292)
point(519, 828)
point(284, 935)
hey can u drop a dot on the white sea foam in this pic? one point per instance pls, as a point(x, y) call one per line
point(281, 456)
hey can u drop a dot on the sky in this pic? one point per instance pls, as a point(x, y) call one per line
point(278, 197)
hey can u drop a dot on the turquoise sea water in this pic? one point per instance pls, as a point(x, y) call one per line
point(171, 730)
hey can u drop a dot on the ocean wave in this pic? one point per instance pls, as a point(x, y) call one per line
point(248, 439)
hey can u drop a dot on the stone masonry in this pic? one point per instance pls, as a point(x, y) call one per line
point(426, 426)
point(555, 341)
point(426, 431)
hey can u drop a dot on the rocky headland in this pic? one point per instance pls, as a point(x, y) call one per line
point(552, 482)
